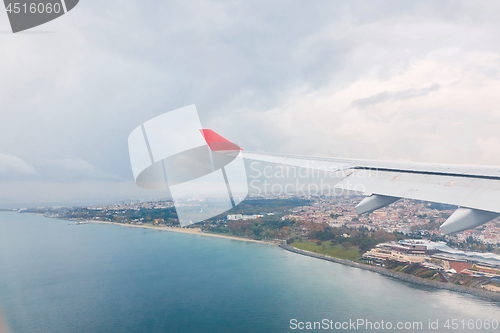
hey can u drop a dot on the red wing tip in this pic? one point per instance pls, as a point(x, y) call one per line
point(217, 142)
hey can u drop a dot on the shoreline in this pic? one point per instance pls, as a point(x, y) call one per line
point(491, 296)
point(192, 231)
point(399, 276)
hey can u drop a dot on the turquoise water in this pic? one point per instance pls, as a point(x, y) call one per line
point(56, 277)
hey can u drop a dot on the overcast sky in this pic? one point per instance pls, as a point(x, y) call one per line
point(388, 80)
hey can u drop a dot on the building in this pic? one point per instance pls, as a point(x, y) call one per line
point(436, 255)
point(235, 217)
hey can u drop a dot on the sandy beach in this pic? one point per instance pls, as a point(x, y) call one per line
point(194, 231)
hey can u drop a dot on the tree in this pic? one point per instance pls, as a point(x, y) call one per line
point(346, 245)
point(366, 244)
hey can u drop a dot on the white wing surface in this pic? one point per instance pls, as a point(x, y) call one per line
point(475, 189)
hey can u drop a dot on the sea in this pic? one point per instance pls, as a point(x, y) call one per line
point(56, 276)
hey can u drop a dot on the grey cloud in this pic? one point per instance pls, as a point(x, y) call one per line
point(51, 193)
point(111, 65)
point(386, 96)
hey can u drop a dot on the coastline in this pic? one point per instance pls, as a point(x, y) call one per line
point(399, 276)
point(193, 231)
point(395, 275)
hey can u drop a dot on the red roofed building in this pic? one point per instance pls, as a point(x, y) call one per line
point(460, 265)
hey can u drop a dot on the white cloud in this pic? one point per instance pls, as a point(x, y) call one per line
point(67, 168)
point(409, 120)
point(13, 165)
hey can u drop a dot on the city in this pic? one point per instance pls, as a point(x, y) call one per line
point(401, 238)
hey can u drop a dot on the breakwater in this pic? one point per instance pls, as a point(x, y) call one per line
point(399, 276)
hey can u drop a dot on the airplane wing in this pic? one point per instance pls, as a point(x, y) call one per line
point(475, 189)
point(173, 152)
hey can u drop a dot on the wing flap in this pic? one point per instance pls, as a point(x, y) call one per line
point(482, 194)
